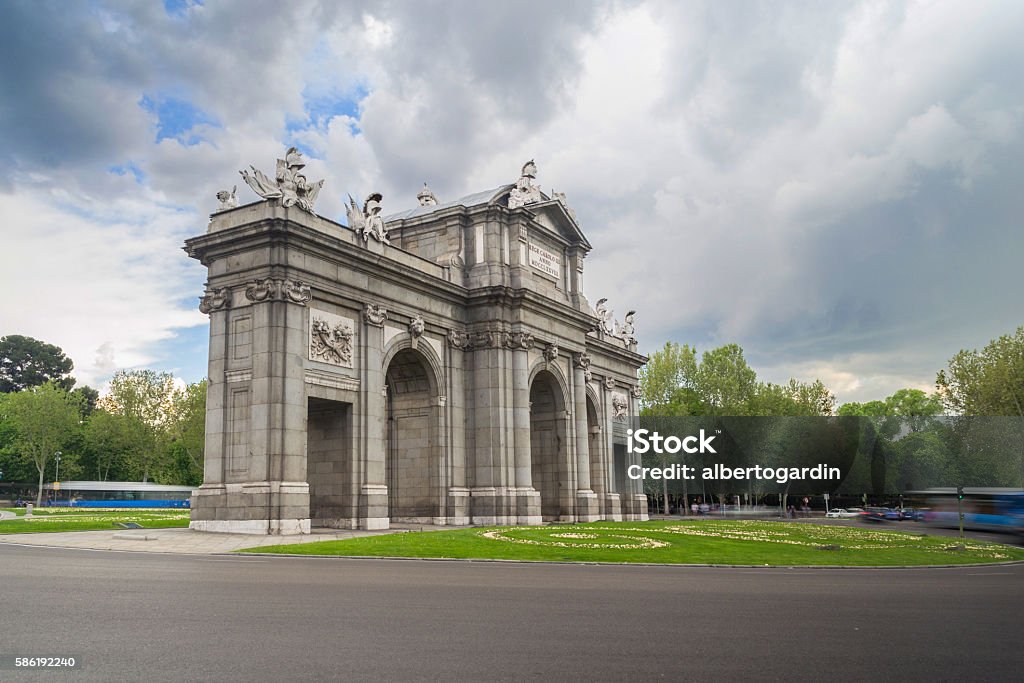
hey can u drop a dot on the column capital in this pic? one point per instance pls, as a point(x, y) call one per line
point(278, 289)
point(215, 299)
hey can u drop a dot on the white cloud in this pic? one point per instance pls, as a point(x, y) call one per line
point(105, 292)
point(832, 186)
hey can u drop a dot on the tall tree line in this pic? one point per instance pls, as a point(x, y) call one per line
point(961, 434)
point(146, 427)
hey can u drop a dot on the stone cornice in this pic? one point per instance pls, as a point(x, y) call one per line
point(402, 269)
point(598, 347)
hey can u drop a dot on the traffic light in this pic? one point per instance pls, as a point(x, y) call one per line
point(959, 492)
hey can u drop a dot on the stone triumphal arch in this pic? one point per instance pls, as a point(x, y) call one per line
point(439, 365)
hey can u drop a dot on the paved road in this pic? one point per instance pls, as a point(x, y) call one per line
point(134, 616)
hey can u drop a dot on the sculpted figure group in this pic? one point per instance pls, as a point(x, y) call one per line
point(289, 185)
point(368, 221)
point(608, 326)
point(291, 188)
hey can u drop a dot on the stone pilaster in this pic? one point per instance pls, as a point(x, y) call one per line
point(263, 485)
point(528, 498)
point(586, 499)
point(458, 492)
point(373, 491)
point(614, 498)
point(639, 497)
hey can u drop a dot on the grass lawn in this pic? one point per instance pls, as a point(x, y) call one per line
point(92, 519)
point(671, 542)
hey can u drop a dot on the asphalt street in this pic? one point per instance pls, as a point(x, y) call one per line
point(136, 616)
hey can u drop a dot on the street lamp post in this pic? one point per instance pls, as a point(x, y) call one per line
point(56, 476)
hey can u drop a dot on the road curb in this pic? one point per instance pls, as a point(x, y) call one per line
point(237, 553)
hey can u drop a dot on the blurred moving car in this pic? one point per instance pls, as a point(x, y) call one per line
point(880, 515)
point(913, 514)
point(842, 513)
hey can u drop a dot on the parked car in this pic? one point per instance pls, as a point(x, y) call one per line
point(841, 513)
point(880, 515)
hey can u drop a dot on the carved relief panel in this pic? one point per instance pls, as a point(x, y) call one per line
point(331, 338)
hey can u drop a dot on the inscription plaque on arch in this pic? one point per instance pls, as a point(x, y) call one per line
point(545, 261)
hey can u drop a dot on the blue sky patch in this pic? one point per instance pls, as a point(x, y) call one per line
point(176, 117)
point(320, 108)
point(185, 354)
point(179, 8)
point(130, 167)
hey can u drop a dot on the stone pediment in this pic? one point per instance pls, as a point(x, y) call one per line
point(553, 215)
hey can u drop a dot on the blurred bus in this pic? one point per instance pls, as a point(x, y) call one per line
point(116, 494)
point(985, 509)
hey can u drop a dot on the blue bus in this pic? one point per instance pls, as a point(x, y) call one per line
point(115, 494)
point(985, 509)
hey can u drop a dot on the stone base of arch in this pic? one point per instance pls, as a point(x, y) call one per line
point(261, 507)
point(613, 507)
point(634, 507)
point(528, 510)
point(587, 507)
point(504, 505)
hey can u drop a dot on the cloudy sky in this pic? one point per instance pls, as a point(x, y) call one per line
point(837, 187)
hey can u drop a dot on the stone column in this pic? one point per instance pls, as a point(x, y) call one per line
point(528, 503)
point(286, 434)
point(213, 460)
point(458, 492)
point(212, 494)
point(639, 496)
point(264, 478)
point(373, 492)
point(617, 501)
point(486, 457)
point(586, 499)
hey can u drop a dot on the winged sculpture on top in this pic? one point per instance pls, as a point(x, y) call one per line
point(368, 221)
point(289, 185)
point(608, 326)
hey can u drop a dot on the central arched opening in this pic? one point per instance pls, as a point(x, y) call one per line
point(548, 460)
point(411, 465)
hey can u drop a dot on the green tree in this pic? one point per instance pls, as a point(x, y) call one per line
point(675, 384)
point(90, 397)
point(793, 399)
point(187, 428)
point(891, 462)
point(145, 398)
point(725, 383)
point(26, 362)
point(667, 382)
point(986, 382)
point(45, 418)
point(111, 440)
point(14, 466)
point(869, 409)
point(914, 403)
